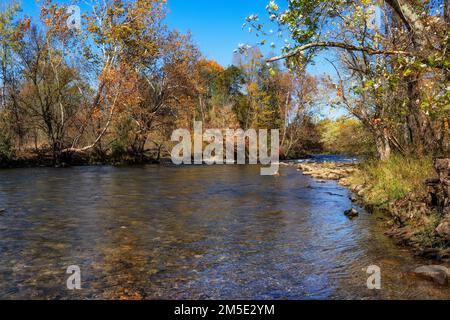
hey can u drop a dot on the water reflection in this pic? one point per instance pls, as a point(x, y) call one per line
point(192, 232)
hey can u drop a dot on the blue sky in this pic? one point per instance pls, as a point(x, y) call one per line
point(216, 25)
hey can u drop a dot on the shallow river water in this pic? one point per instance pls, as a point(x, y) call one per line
point(219, 232)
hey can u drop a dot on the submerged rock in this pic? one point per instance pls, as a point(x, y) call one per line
point(437, 273)
point(351, 213)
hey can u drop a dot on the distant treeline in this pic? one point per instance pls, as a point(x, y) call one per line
point(116, 88)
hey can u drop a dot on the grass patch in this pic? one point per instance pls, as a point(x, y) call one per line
point(394, 179)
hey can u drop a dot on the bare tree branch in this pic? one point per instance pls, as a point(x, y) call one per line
point(333, 44)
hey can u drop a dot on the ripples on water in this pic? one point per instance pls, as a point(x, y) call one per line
point(192, 232)
point(321, 158)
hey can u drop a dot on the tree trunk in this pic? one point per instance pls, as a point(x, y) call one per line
point(422, 137)
point(158, 157)
point(411, 20)
point(56, 153)
point(383, 145)
point(447, 11)
point(139, 146)
point(420, 132)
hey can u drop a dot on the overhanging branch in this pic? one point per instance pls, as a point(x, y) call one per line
point(341, 45)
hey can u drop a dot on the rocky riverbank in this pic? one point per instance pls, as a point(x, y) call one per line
point(420, 221)
point(329, 171)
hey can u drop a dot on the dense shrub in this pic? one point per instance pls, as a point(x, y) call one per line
point(6, 144)
point(345, 136)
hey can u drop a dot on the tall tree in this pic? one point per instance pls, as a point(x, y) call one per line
point(399, 40)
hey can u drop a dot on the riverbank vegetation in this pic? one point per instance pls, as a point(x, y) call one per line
point(392, 74)
point(345, 136)
point(392, 65)
point(394, 179)
point(417, 209)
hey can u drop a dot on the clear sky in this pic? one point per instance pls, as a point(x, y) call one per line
point(216, 25)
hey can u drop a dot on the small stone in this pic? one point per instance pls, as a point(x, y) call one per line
point(351, 213)
point(438, 274)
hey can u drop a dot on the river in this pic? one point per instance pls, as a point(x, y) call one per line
point(193, 232)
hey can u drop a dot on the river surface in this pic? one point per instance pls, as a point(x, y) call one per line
point(209, 232)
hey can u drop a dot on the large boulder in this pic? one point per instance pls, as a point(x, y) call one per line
point(437, 273)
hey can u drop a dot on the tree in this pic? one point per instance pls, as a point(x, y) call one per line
point(299, 134)
point(165, 86)
point(75, 81)
point(10, 31)
point(345, 136)
point(116, 87)
point(400, 43)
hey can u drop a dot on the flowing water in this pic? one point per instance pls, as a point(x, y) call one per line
point(211, 232)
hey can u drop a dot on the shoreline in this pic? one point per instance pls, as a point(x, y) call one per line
point(79, 160)
point(399, 228)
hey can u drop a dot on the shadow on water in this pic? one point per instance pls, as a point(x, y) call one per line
point(192, 232)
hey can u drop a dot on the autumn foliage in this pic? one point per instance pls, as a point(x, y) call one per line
point(115, 88)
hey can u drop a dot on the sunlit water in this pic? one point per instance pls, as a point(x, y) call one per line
point(219, 232)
